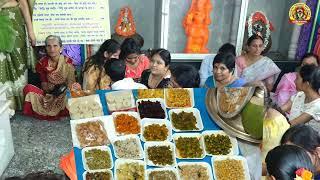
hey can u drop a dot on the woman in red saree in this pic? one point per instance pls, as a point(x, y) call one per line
point(55, 72)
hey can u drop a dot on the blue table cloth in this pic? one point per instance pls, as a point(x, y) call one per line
point(199, 100)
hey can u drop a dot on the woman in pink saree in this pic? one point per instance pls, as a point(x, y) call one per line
point(255, 68)
point(286, 87)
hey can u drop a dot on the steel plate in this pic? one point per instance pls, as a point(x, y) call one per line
point(233, 126)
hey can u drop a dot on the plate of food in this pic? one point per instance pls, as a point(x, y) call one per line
point(186, 119)
point(230, 101)
point(155, 130)
point(150, 93)
point(179, 97)
point(126, 123)
point(194, 170)
point(230, 167)
point(97, 158)
point(163, 173)
point(130, 169)
point(85, 107)
point(128, 147)
point(152, 108)
point(160, 154)
point(217, 142)
point(189, 146)
point(105, 174)
point(120, 101)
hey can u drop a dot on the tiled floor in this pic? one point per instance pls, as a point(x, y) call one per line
point(38, 145)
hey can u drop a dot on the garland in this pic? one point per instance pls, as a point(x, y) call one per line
point(265, 20)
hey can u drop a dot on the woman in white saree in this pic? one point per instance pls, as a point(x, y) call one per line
point(254, 68)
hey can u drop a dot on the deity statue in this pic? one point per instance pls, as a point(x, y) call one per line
point(196, 24)
point(125, 25)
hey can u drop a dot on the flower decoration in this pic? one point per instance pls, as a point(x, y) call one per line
point(303, 174)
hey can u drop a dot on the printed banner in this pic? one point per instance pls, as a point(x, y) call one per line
point(75, 21)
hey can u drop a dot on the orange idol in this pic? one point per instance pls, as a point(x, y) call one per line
point(196, 24)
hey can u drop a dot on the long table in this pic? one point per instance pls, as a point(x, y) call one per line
point(199, 100)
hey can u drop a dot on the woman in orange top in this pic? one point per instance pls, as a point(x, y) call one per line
point(136, 62)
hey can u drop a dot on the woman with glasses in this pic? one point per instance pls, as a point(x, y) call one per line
point(223, 72)
point(136, 62)
point(255, 68)
point(158, 76)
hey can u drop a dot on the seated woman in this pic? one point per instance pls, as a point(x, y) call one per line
point(309, 139)
point(136, 63)
point(223, 72)
point(56, 71)
point(94, 75)
point(285, 163)
point(305, 105)
point(184, 76)
point(254, 68)
point(286, 87)
point(158, 76)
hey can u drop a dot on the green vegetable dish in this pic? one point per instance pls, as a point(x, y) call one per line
point(189, 147)
point(98, 159)
point(217, 144)
point(160, 155)
point(184, 121)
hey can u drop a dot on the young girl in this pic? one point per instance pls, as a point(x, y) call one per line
point(306, 137)
point(285, 162)
point(305, 105)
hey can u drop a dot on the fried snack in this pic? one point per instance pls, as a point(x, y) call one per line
point(178, 98)
point(229, 169)
point(91, 134)
point(231, 99)
point(126, 124)
point(150, 93)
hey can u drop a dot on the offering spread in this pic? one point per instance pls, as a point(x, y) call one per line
point(130, 158)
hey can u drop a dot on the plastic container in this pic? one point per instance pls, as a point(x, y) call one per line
point(153, 100)
point(234, 150)
point(102, 148)
point(174, 170)
point(150, 93)
point(196, 114)
point(120, 162)
point(191, 96)
point(108, 129)
point(203, 164)
point(120, 101)
point(152, 144)
point(94, 171)
point(242, 159)
point(184, 135)
point(147, 122)
point(85, 107)
point(140, 153)
point(134, 114)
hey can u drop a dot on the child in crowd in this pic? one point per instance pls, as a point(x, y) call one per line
point(116, 70)
point(305, 105)
point(184, 76)
point(289, 162)
point(306, 137)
